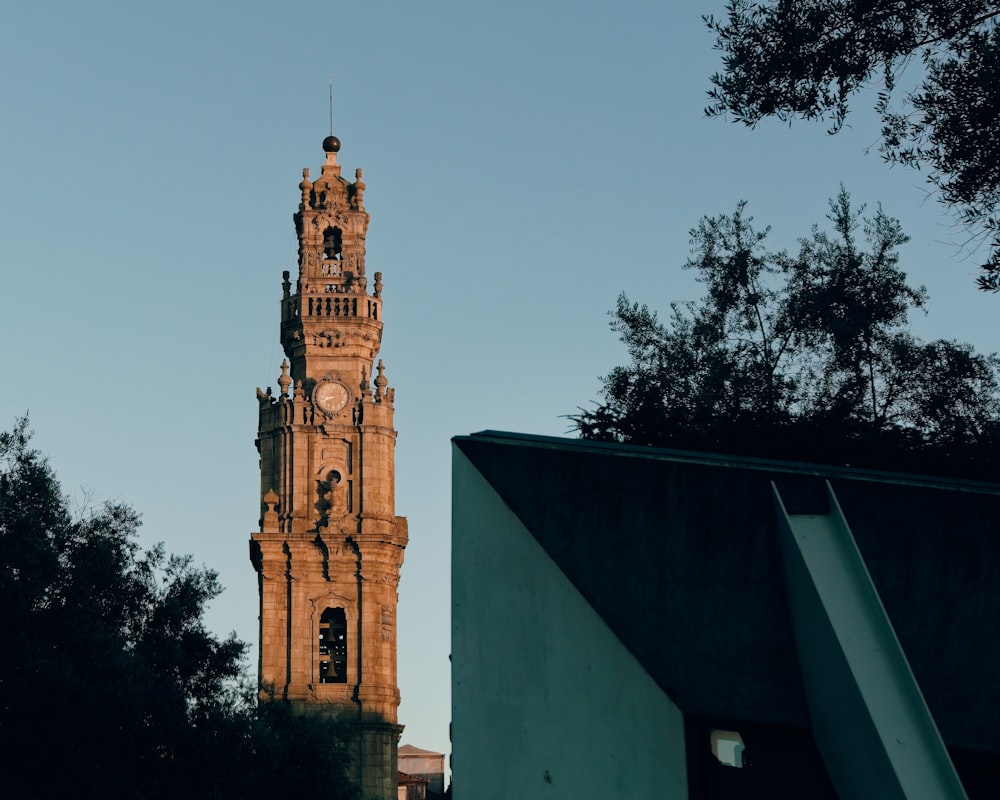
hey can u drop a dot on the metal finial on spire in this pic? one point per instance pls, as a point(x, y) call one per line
point(331, 144)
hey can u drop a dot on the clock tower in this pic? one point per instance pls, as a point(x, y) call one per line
point(330, 547)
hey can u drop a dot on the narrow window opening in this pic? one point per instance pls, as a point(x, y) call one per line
point(333, 646)
point(728, 748)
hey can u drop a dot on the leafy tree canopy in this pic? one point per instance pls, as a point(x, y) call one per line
point(111, 686)
point(806, 355)
point(805, 58)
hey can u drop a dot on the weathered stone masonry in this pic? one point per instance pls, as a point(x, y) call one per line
point(330, 547)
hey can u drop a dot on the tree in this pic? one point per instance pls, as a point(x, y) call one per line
point(806, 355)
point(111, 685)
point(808, 57)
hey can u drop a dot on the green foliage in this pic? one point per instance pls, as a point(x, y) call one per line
point(111, 685)
point(805, 59)
point(806, 355)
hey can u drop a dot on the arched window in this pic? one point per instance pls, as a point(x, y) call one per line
point(333, 646)
point(332, 243)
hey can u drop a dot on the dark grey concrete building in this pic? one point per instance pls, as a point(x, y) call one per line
point(635, 622)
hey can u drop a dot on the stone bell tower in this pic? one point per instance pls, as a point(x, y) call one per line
point(330, 545)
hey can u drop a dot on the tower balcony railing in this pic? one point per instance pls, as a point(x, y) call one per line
point(330, 305)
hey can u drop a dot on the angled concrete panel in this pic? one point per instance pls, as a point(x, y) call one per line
point(547, 701)
point(875, 733)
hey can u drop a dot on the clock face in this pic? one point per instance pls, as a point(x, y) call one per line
point(330, 397)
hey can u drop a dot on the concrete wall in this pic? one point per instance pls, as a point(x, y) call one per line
point(547, 701)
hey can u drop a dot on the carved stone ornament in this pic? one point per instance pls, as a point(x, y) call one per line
point(269, 522)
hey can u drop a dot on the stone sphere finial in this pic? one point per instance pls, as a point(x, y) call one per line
point(331, 144)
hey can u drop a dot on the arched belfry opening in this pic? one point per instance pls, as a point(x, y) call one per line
point(333, 241)
point(333, 646)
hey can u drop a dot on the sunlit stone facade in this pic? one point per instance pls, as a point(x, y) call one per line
point(330, 546)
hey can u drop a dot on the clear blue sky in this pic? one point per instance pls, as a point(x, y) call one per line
point(525, 163)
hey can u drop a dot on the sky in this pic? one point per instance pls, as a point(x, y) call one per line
point(525, 163)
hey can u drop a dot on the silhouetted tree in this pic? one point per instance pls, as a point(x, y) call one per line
point(805, 356)
point(111, 686)
point(806, 58)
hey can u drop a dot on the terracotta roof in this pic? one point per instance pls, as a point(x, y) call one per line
point(410, 750)
point(408, 780)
